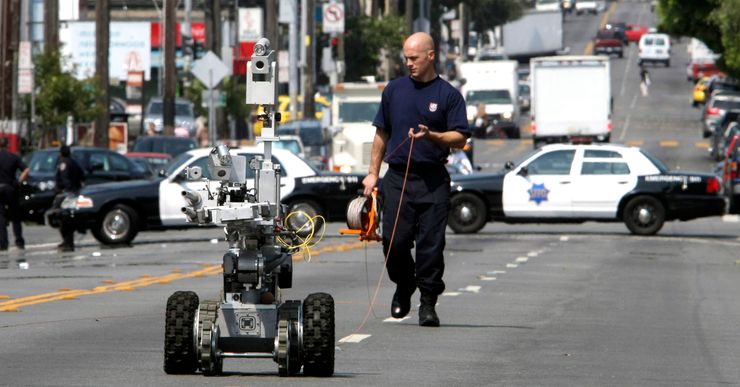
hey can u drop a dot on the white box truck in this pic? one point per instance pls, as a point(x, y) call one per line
point(494, 84)
point(353, 109)
point(571, 99)
point(536, 33)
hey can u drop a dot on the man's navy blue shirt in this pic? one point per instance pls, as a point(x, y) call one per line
point(407, 103)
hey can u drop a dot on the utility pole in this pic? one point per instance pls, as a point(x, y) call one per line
point(271, 27)
point(309, 110)
point(51, 25)
point(409, 14)
point(9, 17)
point(213, 27)
point(102, 38)
point(168, 97)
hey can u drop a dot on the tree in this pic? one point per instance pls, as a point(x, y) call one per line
point(62, 95)
point(714, 22)
point(234, 90)
point(727, 18)
point(365, 37)
point(487, 14)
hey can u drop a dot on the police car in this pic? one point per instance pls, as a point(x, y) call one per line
point(116, 212)
point(575, 183)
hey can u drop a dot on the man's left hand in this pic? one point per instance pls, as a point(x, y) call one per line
point(422, 132)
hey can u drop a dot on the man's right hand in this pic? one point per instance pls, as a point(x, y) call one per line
point(370, 181)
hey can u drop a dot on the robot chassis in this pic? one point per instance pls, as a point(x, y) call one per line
point(250, 320)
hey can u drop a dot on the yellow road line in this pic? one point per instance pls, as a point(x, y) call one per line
point(13, 305)
point(495, 142)
point(589, 48)
point(702, 145)
point(669, 144)
point(634, 143)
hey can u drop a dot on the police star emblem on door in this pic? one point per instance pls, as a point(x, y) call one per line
point(538, 193)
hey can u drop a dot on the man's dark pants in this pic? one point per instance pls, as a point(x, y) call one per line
point(9, 212)
point(422, 222)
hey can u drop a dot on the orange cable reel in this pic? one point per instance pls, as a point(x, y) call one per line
point(363, 218)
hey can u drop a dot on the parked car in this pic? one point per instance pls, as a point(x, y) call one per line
point(608, 41)
point(116, 212)
point(730, 177)
point(184, 115)
point(576, 183)
point(316, 140)
point(654, 47)
point(151, 162)
point(715, 109)
point(171, 145)
point(723, 131)
point(291, 143)
point(697, 70)
point(100, 165)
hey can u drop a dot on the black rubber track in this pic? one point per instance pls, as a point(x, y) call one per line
point(179, 348)
point(318, 335)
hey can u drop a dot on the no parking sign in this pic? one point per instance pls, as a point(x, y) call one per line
point(333, 18)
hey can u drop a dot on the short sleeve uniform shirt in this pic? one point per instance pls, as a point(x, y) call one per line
point(407, 103)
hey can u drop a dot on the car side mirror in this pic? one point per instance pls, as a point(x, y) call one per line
point(523, 172)
point(509, 165)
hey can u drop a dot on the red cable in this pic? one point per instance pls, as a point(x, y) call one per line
point(390, 242)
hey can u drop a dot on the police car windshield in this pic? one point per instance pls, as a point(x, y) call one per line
point(658, 164)
point(179, 160)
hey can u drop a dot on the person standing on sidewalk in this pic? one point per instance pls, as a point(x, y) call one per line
point(10, 164)
point(424, 110)
point(69, 178)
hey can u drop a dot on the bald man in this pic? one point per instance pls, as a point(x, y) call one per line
point(424, 110)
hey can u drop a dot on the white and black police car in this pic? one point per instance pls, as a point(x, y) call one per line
point(565, 183)
point(116, 212)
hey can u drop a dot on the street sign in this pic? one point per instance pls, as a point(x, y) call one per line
point(250, 24)
point(25, 81)
point(210, 70)
point(25, 60)
point(333, 18)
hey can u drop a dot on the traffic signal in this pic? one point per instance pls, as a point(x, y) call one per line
point(334, 42)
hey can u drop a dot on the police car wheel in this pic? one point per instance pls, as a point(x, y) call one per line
point(467, 213)
point(644, 215)
point(303, 212)
point(116, 226)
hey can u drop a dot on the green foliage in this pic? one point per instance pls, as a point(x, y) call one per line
point(234, 89)
point(194, 92)
point(60, 94)
point(364, 39)
point(715, 22)
point(727, 18)
point(487, 14)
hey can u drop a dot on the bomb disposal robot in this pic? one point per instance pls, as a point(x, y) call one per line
point(250, 320)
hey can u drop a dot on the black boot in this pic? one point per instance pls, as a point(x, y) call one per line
point(427, 315)
point(401, 303)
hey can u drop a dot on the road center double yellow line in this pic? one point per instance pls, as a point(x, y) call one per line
point(14, 305)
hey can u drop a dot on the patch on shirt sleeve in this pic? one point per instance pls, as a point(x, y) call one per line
point(432, 107)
